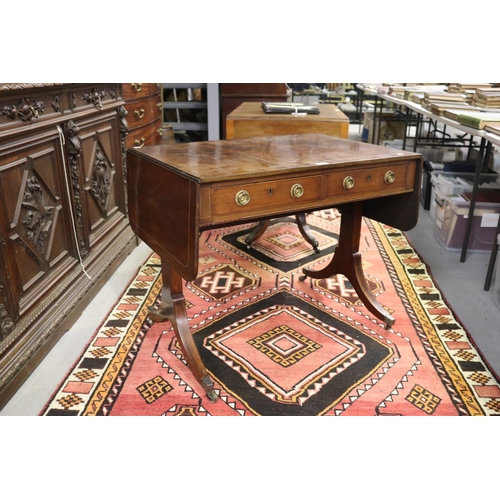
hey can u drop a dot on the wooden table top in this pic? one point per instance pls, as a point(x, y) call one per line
point(212, 161)
point(254, 111)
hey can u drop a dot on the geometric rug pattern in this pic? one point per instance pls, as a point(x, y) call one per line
point(276, 345)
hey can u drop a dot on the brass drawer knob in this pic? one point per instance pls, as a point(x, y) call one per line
point(348, 182)
point(389, 177)
point(139, 143)
point(297, 191)
point(160, 131)
point(242, 198)
point(139, 113)
point(137, 86)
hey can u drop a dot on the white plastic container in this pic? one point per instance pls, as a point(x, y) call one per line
point(446, 184)
point(450, 223)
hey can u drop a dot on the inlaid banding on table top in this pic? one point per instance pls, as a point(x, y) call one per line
point(213, 161)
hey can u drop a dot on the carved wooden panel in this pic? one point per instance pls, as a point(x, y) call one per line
point(102, 182)
point(38, 238)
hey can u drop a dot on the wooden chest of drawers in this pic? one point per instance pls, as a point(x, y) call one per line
point(144, 105)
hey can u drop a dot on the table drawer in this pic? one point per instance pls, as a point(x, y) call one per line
point(262, 197)
point(370, 182)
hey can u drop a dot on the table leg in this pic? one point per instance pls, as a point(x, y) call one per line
point(257, 232)
point(305, 231)
point(347, 261)
point(173, 308)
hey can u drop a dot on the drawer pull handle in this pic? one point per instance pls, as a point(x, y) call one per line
point(139, 143)
point(160, 131)
point(139, 113)
point(137, 86)
point(297, 191)
point(242, 198)
point(348, 182)
point(159, 105)
point(389, 177)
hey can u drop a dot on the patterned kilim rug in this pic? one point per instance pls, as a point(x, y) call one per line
point(275, 345)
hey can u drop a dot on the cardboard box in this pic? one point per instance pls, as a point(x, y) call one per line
point(387, 129)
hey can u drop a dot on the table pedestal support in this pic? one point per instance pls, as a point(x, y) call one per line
point(347, 261)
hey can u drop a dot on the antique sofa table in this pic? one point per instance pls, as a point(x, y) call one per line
point(177, 191)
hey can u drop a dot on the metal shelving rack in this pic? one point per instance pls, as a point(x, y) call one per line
point(207, 128)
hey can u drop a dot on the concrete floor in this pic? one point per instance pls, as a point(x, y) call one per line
point(461, 283)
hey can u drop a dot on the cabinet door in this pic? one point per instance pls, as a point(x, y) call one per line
point(37, 239)
point(101, 186)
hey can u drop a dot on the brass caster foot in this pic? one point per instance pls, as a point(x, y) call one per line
point(212, 395)
point(389, 321)
point(155, 315)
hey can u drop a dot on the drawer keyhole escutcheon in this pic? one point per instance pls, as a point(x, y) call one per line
point(389, 177)
point(297, 191)
point(242, 198)
point(348, 182)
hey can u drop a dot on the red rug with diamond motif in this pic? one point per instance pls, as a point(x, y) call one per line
point(275, 345)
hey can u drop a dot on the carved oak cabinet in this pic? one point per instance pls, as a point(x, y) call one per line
point(63, 213)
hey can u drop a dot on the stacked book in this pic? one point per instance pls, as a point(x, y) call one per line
point(462, 87)
point(487, 98)
point(492, 128)
point(409, 91)
point(439, 102)
point(478, 119)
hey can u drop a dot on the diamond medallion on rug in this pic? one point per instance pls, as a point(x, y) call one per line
point(291, 373)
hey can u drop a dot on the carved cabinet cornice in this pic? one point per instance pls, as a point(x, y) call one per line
point(63, 212)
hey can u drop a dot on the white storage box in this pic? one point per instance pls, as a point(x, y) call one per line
point(451, 221)
point(444, 184)
point(458, 182)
